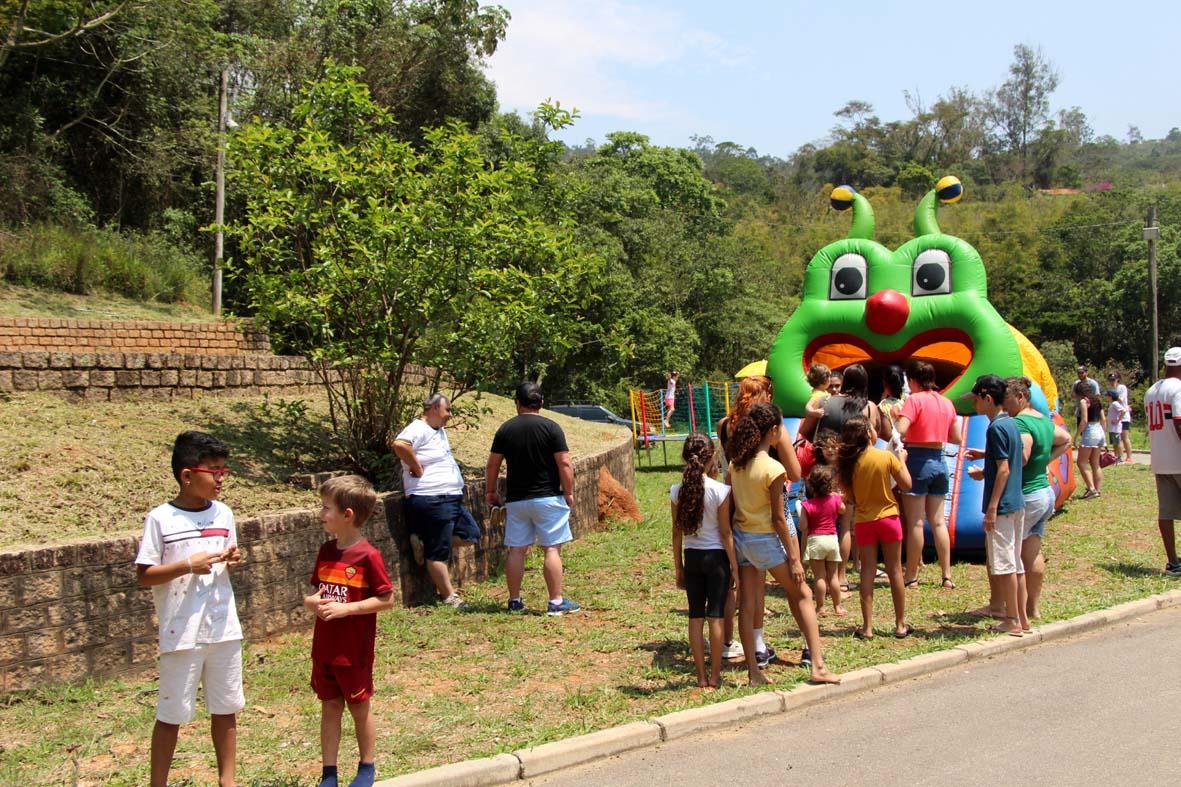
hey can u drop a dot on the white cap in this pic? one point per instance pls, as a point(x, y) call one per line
point(1173, 356)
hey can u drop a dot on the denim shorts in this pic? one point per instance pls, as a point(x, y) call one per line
point(791, 512)
point(540, 520)
point(1093, 436)
point(928, 472)
point(436, 519)
point(762, 550)
point(1039, 507)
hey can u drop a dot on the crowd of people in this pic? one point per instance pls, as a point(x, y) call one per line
point(857, 473)
point(854, 488)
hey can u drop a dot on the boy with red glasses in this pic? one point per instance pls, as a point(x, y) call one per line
point(188, 547)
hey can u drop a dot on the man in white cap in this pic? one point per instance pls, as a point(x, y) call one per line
point(1163, 406)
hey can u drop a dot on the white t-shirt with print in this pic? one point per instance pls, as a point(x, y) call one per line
point(1162, 404)
point(194, 609)
point(440, 473)
point(707, 535)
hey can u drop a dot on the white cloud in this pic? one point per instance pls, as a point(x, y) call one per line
point(571, 52)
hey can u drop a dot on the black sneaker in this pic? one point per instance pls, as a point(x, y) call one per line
point(1173, 569)
point(764, 657)
point(806, 658)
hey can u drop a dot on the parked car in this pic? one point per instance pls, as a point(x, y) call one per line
point(591, 412)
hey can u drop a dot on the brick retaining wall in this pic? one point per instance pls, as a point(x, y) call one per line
point(68, 612)
point(48, 334)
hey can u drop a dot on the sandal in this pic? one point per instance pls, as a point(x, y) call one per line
point(948, 584)
point(861, 635)
point(907, 630)
point(912, 584)
point(881, 575)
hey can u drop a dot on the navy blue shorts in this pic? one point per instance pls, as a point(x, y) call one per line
point(928, 472)
point(436, 519)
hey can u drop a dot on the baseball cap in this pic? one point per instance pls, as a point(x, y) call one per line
point(1081, 368)
point(1111, 375)
point(1173, 356)
point(1112, 392)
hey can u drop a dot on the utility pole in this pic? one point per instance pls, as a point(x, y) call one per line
point(219, 204)
point(1152, 235)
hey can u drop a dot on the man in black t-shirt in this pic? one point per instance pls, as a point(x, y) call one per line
point(540, 494)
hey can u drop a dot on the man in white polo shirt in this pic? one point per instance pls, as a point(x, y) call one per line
point(433, 487)
point(1163, 406)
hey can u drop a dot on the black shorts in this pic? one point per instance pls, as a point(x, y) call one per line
point(707, 582)
point(436, 519)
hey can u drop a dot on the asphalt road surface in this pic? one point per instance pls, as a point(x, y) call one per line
point(1102, 708)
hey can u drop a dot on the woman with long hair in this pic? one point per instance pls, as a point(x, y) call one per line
point(869, 473)
point(761, 534)
point(703, 551)
point(752, 391)
point(926, 422)
point(1090, 443)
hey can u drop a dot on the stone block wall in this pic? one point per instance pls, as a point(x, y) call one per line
point(48, 334)
point(73, 611)
point(120, 377)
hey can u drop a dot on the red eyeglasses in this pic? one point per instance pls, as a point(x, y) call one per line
point(219, 472)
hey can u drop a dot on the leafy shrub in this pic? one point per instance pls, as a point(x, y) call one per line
point(145, 266)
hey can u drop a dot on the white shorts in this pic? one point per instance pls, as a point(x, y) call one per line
point(217, 667)
point(1003, 544)
point(826, 548)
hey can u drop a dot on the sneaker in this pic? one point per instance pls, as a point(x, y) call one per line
point(516, 605)
point(455, 602)
point(1173, 569)
point(806, 658)
point(418, 550)
point(765, 657)
point(733, 650)
point(562, 608)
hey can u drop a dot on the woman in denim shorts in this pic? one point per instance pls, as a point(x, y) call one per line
point(1090, 443)
point(761, 533)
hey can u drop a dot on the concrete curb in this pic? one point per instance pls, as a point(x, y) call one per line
point(549, 757)
point(501, 769)
point(575, 751)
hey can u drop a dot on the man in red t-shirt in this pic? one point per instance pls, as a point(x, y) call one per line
point(352, 586)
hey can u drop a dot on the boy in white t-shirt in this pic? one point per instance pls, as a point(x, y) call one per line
point(188, 547)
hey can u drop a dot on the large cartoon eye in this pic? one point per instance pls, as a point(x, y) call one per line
point(932, 273)
point(848, 278)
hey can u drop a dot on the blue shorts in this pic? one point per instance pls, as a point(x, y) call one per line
point(539, 520)
point(1093, 436)
point(1039, 507)
point(762, 550)
point(928, 472)
point(1126, 425)
point(436, 519)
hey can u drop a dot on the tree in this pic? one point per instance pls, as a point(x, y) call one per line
point(1020, 106)
point(370, 255)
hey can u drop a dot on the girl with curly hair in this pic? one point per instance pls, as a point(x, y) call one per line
point(760, 533)
point(868, 473)
point(703, 552)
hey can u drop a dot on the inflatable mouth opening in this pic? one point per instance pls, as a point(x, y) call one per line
point(950, 352)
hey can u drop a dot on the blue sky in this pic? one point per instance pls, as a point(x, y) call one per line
point(770, 74)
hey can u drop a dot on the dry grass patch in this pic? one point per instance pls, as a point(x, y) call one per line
point(74, 471)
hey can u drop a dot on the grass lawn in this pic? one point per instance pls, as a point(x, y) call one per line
point(458, 685)
point(73, 471)
point(18, 301)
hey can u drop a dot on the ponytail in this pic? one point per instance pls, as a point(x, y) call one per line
point(697, 453)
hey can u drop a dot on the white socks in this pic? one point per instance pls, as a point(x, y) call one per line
point(760, 646)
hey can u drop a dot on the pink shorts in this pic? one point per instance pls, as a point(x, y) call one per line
point(887, 530)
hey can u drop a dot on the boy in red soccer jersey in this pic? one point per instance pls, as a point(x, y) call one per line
point(352, 586)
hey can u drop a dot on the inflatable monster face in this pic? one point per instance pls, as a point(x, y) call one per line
point(927, 300)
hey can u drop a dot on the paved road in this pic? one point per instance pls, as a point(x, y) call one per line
point(1103, 708)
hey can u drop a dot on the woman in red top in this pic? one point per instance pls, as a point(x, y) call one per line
point(927, 422)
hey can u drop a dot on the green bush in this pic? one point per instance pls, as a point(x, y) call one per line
point(146, 267)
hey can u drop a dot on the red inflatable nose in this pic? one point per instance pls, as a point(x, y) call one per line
point(886, 311)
